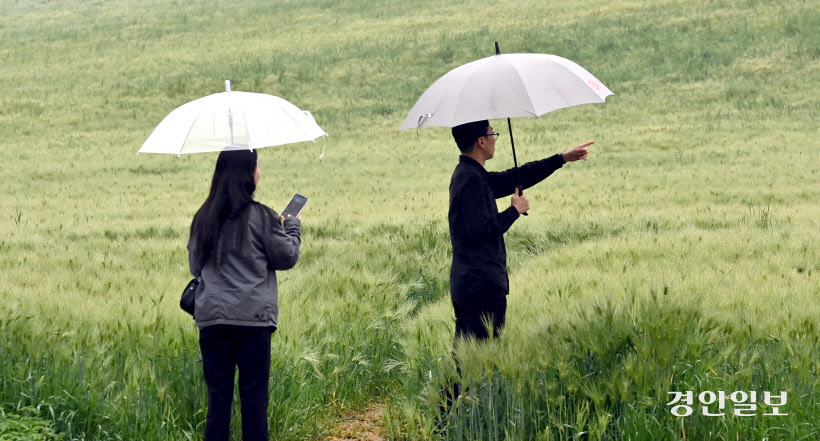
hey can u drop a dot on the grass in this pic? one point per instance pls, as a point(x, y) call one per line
point(629, 325)
point(24, 427)
point(681, 256)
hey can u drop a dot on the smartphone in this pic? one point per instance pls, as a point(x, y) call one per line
point(295, 206)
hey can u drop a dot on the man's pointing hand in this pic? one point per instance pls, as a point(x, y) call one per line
point(578, 152)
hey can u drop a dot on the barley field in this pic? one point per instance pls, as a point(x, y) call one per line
point(684, 255)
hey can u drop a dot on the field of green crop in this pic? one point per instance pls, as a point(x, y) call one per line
point(683, 256)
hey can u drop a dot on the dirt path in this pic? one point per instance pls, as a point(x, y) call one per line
point(359, 426)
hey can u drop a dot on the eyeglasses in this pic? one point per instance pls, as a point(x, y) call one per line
point(495, 134)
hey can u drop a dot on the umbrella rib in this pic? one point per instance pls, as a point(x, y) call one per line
point(184, 140)
point(567, 101)
point(459, 94)
point(560, 90)
point(247, 131)
point(524, 87)
point(298, 125)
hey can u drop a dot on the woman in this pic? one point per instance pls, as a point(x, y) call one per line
point(235, 247)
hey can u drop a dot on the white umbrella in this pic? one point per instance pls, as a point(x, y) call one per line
point(505, 86)
point(231, 121)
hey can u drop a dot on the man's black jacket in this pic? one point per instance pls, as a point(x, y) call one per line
point(477, 228)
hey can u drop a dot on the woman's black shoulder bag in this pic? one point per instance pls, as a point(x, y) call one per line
point(188, 300)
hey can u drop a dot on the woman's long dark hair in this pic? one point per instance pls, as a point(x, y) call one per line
point(232, 190)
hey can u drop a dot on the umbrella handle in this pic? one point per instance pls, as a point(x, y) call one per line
point(521, 192)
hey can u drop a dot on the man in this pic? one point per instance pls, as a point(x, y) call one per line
point(478, 276)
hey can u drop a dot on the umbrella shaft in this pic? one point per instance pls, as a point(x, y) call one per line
point(515, 160)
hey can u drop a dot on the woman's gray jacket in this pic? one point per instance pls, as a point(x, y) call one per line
point(238, 284)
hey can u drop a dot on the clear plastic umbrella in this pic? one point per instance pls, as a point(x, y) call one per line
point(231, 121)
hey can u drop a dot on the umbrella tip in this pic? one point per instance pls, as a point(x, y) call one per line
point(497, 51)
point(228, 84)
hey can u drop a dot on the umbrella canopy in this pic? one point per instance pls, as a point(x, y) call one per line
point(231, 121)
point(505, 86)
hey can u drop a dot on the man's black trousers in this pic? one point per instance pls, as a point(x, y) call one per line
point(224, 348)
point(472, 318)
point(490, 306)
